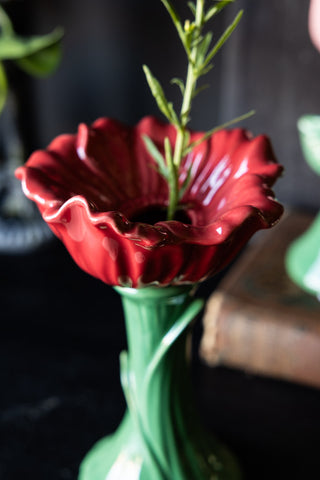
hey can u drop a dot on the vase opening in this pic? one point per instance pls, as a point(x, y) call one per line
point(158, 213)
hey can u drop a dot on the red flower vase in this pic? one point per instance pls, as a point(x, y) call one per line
point(102, 195)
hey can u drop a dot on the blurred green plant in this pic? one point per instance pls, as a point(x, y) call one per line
point(37, 55)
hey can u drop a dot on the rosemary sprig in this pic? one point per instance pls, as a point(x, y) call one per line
point(200, 54)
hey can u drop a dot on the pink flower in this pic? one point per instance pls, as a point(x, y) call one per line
point(314, 22)
point(93, 187)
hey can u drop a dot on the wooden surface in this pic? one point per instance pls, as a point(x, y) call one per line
point(258, 319)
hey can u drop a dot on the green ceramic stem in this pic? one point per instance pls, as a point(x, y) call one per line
point(156, 322)
point(160, 437)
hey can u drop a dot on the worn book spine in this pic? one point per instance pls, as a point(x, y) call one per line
point(268, 342)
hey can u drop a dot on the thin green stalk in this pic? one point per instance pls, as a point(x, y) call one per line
point(199, 54)
point(190, 87)
point(173, 180)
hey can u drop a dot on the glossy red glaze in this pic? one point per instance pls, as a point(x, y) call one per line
point(90, 186)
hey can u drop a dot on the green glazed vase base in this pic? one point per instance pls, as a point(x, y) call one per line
point(119, 456)
point(161, 436)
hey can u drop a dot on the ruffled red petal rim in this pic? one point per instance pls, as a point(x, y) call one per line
point(103, 176)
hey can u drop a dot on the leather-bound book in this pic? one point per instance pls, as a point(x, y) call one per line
point(258, 319)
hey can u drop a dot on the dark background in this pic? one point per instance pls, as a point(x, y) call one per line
point(61, 330)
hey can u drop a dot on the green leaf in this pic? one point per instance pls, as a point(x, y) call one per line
point(216, 9)
point(13, 47)
point(185, 183)
point(157, 91)
point(172, 169)
point(156, 155)
point(224, 37)
point(192, 7)
point(5, 23)
point(196, 41)
point(204, 69)
point(41, 63)
point(176, 20)
point(216, 129)
point(186, 139)
point(3, 87)
point(173, 116)
point(168, 153)
point(38, 55)
point(179, 82)
point(185, 116)
point(203, 48)
point(200, 89)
